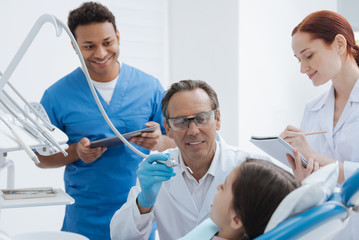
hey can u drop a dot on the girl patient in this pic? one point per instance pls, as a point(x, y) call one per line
point(247, 199)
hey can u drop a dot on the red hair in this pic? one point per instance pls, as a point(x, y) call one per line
point(326, 25)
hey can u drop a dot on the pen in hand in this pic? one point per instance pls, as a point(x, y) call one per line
point(313, 133)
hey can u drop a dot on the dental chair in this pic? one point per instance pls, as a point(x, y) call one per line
point(316, 210)
point(322, 221)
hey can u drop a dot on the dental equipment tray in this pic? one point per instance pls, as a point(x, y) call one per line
point(114, 141)
point(23, 193)
point(60, 198)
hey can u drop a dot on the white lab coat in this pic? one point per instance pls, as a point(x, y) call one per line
point(339, 143)
point(174, 211)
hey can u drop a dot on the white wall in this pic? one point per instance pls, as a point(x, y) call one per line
point(142, 25)
point(272, 91)
point(204, 45)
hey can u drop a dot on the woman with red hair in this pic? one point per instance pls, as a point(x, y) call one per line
point(325, 46)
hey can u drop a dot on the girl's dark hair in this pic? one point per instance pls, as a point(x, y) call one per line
point(87, 13)
point(326, 25)
point(258, 189)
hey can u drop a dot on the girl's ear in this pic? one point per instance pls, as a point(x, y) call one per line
point(236, 223)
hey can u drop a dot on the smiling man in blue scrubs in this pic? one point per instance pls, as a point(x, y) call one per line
point(99, 179)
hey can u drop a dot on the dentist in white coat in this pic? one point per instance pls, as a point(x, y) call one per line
point(173, 197)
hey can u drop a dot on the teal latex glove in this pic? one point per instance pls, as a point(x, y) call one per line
point(151, 175)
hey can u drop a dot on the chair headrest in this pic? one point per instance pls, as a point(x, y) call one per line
point(315, 189)
point(349, 191)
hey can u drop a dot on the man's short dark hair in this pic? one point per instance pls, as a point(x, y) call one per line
point(188, 85)
point(87, 13)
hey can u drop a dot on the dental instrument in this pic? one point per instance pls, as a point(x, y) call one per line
point(172, 163)
point(27, 149)
point(39, 127)
point(45, 122)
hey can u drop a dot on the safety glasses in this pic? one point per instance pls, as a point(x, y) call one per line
point(201, 120)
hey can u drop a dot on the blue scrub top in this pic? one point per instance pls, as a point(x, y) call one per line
point(101, 187)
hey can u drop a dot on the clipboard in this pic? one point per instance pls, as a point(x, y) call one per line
point(114, 141)
point(277, 148)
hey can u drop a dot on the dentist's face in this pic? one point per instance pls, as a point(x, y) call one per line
point(320, 61)
point(195, 143)
point(99, 45)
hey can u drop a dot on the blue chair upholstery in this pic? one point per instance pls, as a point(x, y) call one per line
point(319, 219)
point(349, 190)
point(303, 223)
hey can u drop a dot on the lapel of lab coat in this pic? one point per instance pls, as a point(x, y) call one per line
point(325, 115)
point(348, 107)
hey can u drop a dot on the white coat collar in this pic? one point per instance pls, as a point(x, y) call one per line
point(323, 99)
point(354, 95)
point(325, 105)
point(212, 168)
point(348, 109)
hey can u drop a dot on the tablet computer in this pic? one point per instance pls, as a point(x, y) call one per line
point(114, 141)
